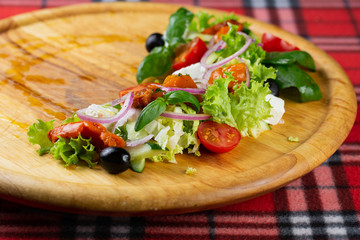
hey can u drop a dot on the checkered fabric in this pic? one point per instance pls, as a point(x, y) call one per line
point(324, 204)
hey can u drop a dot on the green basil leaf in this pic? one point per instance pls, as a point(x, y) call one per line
point(157, 63)
point(181, 96)
point(150, 112)
point(178, 24)
point(293, 76)
point(302, 58)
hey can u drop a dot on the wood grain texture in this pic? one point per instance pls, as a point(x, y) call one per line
point(55, 61)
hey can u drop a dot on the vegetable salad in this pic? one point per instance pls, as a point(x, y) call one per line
point(206, 81)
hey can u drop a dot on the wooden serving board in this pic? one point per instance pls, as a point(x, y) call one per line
point(55, 61)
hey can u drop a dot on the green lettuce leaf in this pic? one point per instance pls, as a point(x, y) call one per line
point(249, 108)
point(38, 135)
point(217, 102)
point(73, 118)
point(244, 109)
point(73, 149)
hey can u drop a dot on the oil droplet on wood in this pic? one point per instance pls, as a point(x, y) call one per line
point(42, 79)
point(71, 167)
point(22, 125)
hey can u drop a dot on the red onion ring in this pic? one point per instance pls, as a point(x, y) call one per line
point(185, 116)
point(216, 47)
point(228, 59)
point(138, 142)
point(125, 108)
point(123, 120)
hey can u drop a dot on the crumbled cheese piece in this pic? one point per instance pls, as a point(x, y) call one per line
point(196, 71)
point(293, 139)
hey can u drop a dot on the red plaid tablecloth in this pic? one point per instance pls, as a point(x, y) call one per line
point(324, 204)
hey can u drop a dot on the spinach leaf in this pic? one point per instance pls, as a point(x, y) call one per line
point(283, 58)
point(291, 75)
point(157, 63)
point(178, 24)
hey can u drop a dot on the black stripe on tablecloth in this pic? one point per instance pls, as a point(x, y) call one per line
point(102, 228)
point(345, 197)
point(68, 226)
point(299, 19)
point(352, 19)
point(212, 226)
point(281, 207)
point(43, 3)
point(137, 228)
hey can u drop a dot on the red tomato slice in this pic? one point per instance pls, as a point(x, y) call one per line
point(189, 53)
point(272, 43)
point(218, 137)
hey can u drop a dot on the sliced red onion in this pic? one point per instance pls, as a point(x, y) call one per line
point(216, 47)
point(185, 116)
point(125, 108)
point(189, 90)
point(124, 119)
point(138, 142)
point(228, 59)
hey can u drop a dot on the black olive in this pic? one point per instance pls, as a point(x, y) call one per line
point(273, 87)
point(114, 159)
point(154, 40)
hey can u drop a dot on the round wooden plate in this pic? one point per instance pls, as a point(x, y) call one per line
point(55, 61)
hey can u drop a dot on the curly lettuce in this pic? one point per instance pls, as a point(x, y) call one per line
point(69, 150)
point(38, 135)
point(73, 149)
point(245, 108)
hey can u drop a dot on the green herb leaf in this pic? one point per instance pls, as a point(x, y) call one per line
point(150, 112)
point(178, 23)
point(180, 96)
point(73, 118)
point(38, 135)
point(157, 63)
point(293, 76)
point(302, 58)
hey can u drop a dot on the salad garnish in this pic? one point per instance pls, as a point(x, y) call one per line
point(206, 81)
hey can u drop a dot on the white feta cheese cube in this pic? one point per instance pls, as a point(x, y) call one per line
point(196, 71)
point(277, 110)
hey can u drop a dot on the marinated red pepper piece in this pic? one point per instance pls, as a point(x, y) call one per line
point(143, 94)
point(214, 29)
point(100, 137)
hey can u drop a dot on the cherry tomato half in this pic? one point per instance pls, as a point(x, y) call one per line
point(272, 43)
point(238, 71)
point(182, 81)
point(218, 137)
point(189, 53)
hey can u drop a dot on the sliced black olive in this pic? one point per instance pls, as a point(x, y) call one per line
point(154, 40)
point(115, 160)
point(273, 87)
